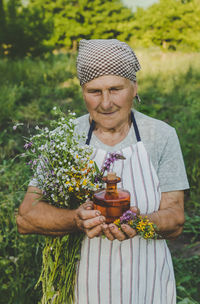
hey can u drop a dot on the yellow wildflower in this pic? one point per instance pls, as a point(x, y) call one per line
point(84, 182)
point(117, 222)
point(141, 225)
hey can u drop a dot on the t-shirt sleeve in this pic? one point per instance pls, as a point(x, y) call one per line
point(171, 168)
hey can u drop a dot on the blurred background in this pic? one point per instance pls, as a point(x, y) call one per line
point(38, 48)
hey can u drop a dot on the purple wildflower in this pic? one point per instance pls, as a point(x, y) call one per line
point(96, 179)
point(110, 160)
point(28, 145)
point(127, 216)
point(34, 162)
point(29, 163)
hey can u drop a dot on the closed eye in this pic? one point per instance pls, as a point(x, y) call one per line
point(115, 89)
point(94, 91)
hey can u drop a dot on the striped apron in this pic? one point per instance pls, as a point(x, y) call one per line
point(134, 271)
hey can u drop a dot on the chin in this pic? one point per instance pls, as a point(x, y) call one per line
point(108, 124)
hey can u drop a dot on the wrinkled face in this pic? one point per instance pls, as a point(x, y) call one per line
point(109, 100)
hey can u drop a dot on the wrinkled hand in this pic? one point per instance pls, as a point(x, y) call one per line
point(88, 220)
point(112, 232)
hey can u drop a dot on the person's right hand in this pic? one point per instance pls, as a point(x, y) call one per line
point(112, 232)
point(88, 220)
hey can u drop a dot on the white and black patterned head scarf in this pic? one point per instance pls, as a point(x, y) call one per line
point(100, 57)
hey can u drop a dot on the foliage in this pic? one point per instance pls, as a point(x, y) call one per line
point(83, 19)
point(40, 26)
point(23, 29)
point(20, 256)
point(37, 27)
point(169, 89)
point(171, 24)
point(30, 90)
point(188, 284)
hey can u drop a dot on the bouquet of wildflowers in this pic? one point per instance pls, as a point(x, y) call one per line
point(142, 225)
point(66, 175)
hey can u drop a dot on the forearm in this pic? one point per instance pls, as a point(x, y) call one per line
point(47, 220)
point(169, 219)
point(169, 226)
point(39, 217)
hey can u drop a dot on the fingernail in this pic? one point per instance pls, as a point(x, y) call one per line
point(98, 213)
point(102, 219)
point(123, 226)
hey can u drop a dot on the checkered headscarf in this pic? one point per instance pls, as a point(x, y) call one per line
point(100, 57)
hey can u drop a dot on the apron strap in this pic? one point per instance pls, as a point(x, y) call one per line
point(137, 134)
point(92, 125)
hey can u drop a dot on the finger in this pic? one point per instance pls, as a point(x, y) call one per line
point(88, 205)
point(87, 214)
point(135, 210)
point(93, 222)
point(107, 232)
point(94, 232)
point(130, 232)
point(88, 208)
point(118, 234)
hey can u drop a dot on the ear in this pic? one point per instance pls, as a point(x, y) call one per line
point(135, 85)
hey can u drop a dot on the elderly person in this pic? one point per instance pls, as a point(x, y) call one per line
point(123, 267)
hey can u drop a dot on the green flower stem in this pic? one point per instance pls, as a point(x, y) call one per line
point(58, 275)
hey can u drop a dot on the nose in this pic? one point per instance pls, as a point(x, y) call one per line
point(106, 101)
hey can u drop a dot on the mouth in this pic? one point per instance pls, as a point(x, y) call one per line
point(108, 113)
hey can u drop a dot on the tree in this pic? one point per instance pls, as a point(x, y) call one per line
point(77, 19)
point(22, 29)
point(2, 26)
point(170, 24)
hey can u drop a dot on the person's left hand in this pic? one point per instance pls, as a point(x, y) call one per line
point(112, 232)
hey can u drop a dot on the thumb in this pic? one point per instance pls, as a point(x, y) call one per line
point(135, 210)
point(88, 205)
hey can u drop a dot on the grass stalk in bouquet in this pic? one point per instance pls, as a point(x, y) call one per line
point(65, 173)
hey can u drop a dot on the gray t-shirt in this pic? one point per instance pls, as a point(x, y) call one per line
point(161, 143)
